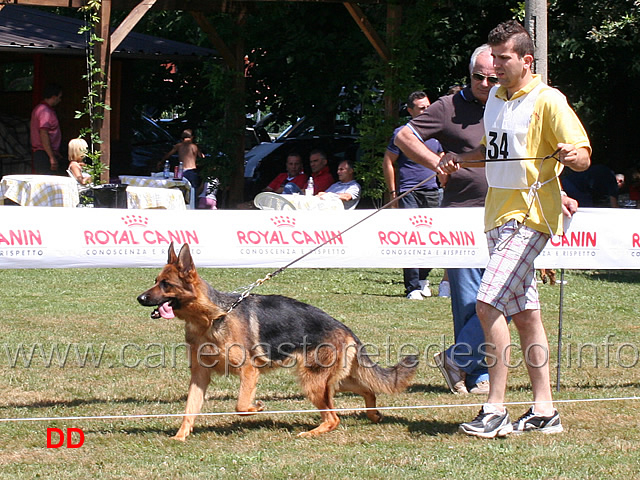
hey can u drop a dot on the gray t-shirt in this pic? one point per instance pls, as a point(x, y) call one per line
point(351, 187)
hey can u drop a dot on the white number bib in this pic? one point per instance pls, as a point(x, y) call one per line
point(506, 125)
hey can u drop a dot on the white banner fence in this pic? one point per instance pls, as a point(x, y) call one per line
point(45, 237)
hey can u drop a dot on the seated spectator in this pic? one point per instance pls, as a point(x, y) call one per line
point(77, 152)
point(293, 177)
point(347, 189)
point(322, 178)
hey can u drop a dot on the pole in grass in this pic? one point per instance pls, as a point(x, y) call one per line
point(560, 330)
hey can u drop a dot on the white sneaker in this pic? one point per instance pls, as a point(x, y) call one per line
point(424, 288)
point(415, 295)
point(444, 290)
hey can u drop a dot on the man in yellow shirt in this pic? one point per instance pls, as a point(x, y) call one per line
point(523, 119)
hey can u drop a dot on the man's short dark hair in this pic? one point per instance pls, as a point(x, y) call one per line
point(51, 90)
point(511, 29)
point(413, 97)
point(319, 152)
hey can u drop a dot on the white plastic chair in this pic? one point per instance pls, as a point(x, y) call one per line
point(272, 201)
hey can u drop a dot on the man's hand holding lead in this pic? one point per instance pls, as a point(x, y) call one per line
point(449, 163)
point(577, 159)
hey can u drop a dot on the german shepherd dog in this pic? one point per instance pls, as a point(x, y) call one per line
point(548, 275)
point(263, 332)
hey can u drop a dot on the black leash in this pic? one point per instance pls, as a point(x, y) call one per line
point(554, 155)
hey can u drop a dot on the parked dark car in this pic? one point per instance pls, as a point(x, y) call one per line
point(267, 159)
point(149, 143)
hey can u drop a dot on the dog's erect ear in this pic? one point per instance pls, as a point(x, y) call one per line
point(173, 258)
point(185, 262)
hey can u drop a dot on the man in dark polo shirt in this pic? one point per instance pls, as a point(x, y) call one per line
point(456, 122)
point(410, 174)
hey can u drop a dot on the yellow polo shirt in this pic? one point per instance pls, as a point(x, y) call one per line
point(552, 121)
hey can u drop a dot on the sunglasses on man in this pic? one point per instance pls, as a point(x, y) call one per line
point(480, 77)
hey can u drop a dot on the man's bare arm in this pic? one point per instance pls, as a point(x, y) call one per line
point(388, 169)
point(452, 162)
point(414, 148)
point(577, 159)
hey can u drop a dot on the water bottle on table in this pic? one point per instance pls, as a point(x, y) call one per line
point(165, 173)
point(309, 190)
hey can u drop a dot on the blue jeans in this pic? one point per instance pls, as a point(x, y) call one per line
point(290, 188)
point(467, 330)
point(418, 199)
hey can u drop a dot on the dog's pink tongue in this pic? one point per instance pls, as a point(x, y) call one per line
point(166, 311)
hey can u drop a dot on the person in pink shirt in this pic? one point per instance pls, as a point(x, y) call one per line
point(46, 136)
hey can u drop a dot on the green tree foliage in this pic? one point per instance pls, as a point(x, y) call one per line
point(594, 59)
point(431, 54)
point(309, 58)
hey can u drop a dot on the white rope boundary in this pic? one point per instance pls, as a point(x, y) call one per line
point(280, 412)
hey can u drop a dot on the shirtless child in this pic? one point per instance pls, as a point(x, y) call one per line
point(188, 153)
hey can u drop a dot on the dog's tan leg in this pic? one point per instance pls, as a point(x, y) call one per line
point(200, 378)
point(323, 400)
point(319, 388)
point(248, 385)
point(543, 275)
point(352, 385)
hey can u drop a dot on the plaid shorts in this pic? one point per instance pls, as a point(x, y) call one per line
point(509, 281)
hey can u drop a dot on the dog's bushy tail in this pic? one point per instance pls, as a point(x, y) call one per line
point(384, 380)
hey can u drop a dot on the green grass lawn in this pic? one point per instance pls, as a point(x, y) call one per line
point(120, 362)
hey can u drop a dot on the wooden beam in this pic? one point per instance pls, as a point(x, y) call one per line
point(217, 41)
point(128, 23)
point(184, 5)
point(368, 30)
point(104, 61)
point(236, 114)
point(49, 3)
point(215, 5)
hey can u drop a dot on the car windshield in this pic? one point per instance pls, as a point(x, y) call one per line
point(146, 131)
point(312, 126)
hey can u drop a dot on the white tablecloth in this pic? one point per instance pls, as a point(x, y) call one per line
point(150, 197)
point(40, 190)
point(313, 202)
point(160, 182)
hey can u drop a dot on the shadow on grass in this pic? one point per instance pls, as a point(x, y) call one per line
point(615, 276)
point(80, 402)
point(245, 425)
point(424, 388)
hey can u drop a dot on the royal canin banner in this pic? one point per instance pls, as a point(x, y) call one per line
point(46, 237)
